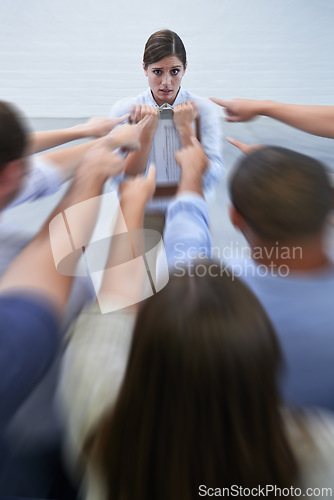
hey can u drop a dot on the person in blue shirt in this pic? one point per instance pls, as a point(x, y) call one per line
point(192, 375)
point(280, 202)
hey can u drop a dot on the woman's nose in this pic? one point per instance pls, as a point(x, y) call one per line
point(166, 80)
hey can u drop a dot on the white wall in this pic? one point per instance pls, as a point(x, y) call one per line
point(73, 58)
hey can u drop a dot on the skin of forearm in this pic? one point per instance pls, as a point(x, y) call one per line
point(123, 249)
point(41, 141)
point(136, 162)
point(185, 134)
point(133, 213)
point(86, 184)
point(34, 269)
point(68, 159)
point(317, 120)
point(191, 183)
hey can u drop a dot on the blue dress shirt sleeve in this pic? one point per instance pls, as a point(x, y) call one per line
point(187, 233)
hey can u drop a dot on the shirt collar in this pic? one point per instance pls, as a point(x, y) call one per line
point(178, 100)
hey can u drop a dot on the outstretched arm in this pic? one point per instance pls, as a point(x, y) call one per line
point(124, 284)
point(34, 271)
point(88, 388)
point(193, 162)
point(317, 120)
point(33, 295)
point(94, 127)
point(187, 232)
point(125, 136)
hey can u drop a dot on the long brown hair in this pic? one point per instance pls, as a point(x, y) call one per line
point(199, 404)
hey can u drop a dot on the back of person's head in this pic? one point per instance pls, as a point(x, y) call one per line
point(13, 134)
point(161, 44)
point(199, 402)
point(283, 196)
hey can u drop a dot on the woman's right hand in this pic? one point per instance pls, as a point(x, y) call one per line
point(139, 112)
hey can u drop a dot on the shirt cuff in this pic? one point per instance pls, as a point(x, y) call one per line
point(188, 197)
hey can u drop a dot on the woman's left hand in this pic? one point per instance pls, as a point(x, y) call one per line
point(184, 114)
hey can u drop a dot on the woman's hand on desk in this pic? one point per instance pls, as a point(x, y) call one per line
point(184, 115)
point(139, 112)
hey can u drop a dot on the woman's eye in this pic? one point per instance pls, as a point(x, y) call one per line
point(175, 71)
point(157, 71)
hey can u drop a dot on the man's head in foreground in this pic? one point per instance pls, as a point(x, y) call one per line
point(279, 195)
point(13, 145)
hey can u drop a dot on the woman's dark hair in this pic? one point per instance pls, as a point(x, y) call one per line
point(164, 43)
point(13, 134)
point(199, 404)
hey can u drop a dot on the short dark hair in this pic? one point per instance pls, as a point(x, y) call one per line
point(13, 133)
point(283, 195)
point(164, 43)
point(199, 403)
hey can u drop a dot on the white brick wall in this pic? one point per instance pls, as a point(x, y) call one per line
point(73, 58)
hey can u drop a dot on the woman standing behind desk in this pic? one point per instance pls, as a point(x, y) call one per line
point(164, 64)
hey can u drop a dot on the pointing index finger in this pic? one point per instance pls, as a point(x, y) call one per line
point(220, 102)
point(122, 118)
point(143, 122)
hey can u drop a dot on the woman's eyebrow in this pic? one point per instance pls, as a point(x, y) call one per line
point(173, 67)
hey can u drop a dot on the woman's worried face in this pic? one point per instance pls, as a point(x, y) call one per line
point(164, 79)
